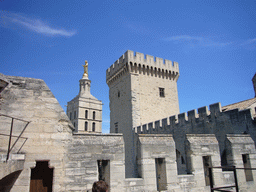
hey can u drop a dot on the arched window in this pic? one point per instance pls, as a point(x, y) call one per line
point(86, 114)
point(93, 115)
point(93, 127)
point(86, 126)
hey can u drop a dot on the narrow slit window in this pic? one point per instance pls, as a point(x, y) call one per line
point(93, 127)
point(161, 179)
point(104, 170)
point(93, 115)
point(86, 114)
point(161, 92)
point(116, 127)
point(86, 126)
point(247, 166)
point(207, 162)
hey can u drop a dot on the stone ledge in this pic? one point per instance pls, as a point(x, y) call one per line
point(12, 157)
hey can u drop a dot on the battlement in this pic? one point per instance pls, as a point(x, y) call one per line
point(139, 62)
point(195, 117)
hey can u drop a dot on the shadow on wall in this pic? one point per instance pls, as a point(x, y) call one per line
point(8, 181)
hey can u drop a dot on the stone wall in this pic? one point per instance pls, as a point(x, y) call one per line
point(78, 160)
point(201, 148)
point(156, 162)
point(134, 91)
point(50, 138)
point(121, 118)
point(84, 152)
point(49, 128)
point(213, 121)
point(241, 153)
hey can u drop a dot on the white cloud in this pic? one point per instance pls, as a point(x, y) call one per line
point(35, 25)
point(184, 37)
point(194, 40)
point(250, 41)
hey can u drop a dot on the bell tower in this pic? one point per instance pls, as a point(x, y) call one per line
point(85, 111)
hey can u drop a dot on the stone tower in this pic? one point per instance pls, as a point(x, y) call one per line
point(142, 89)
point(254, 83)
point(85, 111)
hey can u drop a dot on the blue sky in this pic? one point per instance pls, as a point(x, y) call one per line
point(214, 43)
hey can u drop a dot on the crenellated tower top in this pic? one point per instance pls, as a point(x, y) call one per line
point(145, 64)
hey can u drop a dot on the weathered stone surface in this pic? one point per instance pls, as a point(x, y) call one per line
point(85, 111)
point(75, 157)
point(134, 84)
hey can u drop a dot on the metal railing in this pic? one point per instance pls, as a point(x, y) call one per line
point(10, 147)
point(232, 168)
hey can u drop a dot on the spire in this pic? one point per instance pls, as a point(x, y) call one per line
point(85, 83)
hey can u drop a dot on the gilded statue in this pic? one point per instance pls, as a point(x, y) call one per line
point(85, 69)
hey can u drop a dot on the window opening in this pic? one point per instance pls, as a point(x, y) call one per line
point(86, 114)
point(75, 115)
point(161, 179)
point(161, 92)
point(247, 164)
point(207, 162)
point(182, 160)
point(86, 126)
point(70, 115)
point(93, 127)
point(116, 127)
point(41, 177)
point(104, 170)
point(93, 115)
point(118, 94)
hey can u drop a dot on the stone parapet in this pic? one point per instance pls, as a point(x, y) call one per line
point(193, 117)
point(140, 63)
